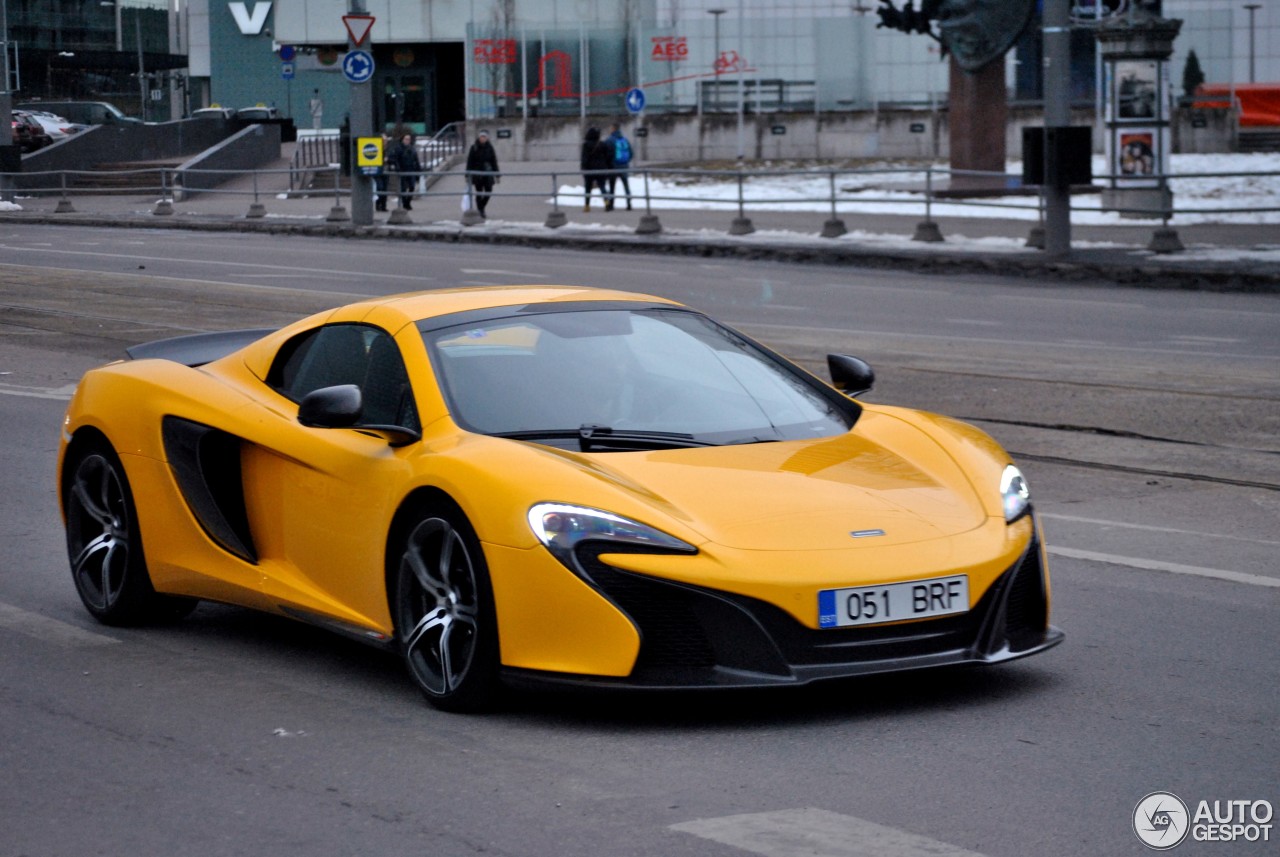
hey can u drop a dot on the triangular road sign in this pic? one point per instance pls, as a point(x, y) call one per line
point(358, 27)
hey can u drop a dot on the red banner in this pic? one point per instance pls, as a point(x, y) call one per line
point(494, 51)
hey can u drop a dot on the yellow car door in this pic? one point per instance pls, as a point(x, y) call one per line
point(320, 499)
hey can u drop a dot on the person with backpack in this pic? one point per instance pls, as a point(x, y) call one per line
point(597, 167)
point(621, 162)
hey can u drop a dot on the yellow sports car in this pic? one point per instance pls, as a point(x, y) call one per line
point(549, 484)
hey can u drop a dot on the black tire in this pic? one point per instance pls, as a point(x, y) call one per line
point(104, 543)
point(443, 608)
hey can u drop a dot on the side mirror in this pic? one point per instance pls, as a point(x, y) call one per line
point(331, 407)
point(850, 375)
point(342, 407)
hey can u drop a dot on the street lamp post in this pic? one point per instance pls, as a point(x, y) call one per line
point(1253, 8)
point(742, 89)
point(6, 99)
point(142, 70)
point(715, 63)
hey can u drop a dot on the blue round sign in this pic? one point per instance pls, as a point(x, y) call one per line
point(287, 53)
point(635, 100)
point(357, 66)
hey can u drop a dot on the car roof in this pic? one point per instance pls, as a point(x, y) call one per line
point(418, 306)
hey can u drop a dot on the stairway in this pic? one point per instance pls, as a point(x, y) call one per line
point(122, 177)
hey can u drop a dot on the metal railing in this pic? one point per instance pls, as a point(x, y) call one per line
point(912, 190)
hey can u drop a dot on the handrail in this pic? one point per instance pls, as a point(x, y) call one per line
point(835, 191)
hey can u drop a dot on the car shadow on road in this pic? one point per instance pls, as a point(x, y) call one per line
point(868, 697)
point(275, 642)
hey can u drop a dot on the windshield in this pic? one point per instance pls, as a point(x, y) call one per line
point(564, 377)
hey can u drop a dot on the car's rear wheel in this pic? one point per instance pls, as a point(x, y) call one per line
point(445, 619)
point(104, 543)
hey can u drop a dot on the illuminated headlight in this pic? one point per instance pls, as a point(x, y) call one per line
point(562, 528)
point(1016, 496)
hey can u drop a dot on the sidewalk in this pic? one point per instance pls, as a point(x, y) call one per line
point(1236, 257)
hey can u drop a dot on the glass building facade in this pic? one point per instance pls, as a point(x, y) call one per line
point(98, 50)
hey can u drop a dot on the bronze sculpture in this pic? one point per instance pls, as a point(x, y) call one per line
point(974, 32)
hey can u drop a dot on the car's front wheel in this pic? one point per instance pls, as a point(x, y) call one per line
point(445, 619)
point(104, 543)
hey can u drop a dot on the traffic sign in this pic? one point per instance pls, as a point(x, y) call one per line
point(287, 53)
point(358, 27)
point(287, 70)
point(635, 100)
point(369, 155)
point(357, 66)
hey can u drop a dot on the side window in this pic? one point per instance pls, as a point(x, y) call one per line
point(348, 354)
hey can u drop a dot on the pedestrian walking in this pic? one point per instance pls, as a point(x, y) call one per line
point(597, 164)
point(482, 170)
point(621, 162)
point(316, 106)
point(404, 158)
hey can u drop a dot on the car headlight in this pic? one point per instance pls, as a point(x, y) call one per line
point(1016, 496)
point(562, 528)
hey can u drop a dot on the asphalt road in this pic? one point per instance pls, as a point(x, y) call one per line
point(1148, 424)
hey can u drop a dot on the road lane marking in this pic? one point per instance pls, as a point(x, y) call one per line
point(1147, 527)
point(1172, 567)
point(977, 322)
point(500, 272)
point(63, 393)
point(227, 263)
point(814, 832)
point(51, 630)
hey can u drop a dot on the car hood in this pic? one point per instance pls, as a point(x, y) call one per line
point(885, 482)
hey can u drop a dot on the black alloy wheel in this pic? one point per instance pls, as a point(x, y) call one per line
point(445, 619)
point(104, 543)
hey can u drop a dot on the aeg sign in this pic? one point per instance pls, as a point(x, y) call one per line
point(250, 23)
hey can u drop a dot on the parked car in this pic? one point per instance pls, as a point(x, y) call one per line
point(57, 127)
point(213, 112)
point(255, 114)
point(28, 133)
point(84, 112)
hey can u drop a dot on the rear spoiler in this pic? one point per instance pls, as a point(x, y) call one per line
point(198, 348)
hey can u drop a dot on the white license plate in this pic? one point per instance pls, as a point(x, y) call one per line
point(893, 602)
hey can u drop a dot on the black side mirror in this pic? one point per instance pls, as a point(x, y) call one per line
point(850, 375)
point(342, 407)
point(331, 407)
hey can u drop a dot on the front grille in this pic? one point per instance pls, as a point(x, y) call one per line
point(687, 633)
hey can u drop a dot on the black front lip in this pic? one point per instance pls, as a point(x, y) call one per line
point(726, 678)
point(694, 637)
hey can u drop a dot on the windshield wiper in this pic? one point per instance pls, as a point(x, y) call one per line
point(591, 437)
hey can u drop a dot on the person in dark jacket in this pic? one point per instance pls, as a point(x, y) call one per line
point(597, 165)
point(404, 158)
point(482, 170)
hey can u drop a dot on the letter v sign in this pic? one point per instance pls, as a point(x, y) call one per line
point(250, 24)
